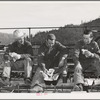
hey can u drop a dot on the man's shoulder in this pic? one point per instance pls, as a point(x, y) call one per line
point(13, 43)
point(94, 43)
point(27, 43)
point(57, 43)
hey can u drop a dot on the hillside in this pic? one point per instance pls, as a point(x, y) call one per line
point(65, 35)
point(69, 34)
point(5, 38)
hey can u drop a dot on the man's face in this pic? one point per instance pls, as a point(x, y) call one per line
point(87, 39)
point(50, 43)
point(20, 40)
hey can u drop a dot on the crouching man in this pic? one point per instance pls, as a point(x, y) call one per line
point(52, 55)
point(86, 58)
point(19, 51)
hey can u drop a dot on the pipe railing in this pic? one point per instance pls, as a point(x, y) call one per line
point(50, 27)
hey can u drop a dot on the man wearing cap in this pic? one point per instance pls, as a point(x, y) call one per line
point(20, 51)
point(86, 57)
point(52, 55)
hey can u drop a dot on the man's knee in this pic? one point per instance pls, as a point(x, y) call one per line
point(78, 68)
point(6, 64)
point(27, 61)
point(62, 62)
point(64, 71)
point(78, 76)
point(6, 69)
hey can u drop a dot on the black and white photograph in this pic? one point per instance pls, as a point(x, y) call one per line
point(50, 48)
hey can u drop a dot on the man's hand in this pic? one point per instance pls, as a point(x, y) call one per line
point(44, 74)
point(44, 68)
point(55, 76)
point(42, 54)
point(88, 53)
point(50, 72)
point(15, 56)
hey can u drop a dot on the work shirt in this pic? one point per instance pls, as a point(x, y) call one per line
point(92, 47)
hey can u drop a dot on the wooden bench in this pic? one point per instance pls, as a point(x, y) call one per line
point(18, 75)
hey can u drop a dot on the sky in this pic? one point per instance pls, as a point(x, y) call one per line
point(46, 13)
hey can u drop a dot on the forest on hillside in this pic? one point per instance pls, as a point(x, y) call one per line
point(67, 35)
point(5, 38)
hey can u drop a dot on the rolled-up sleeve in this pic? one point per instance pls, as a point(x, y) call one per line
point(62, 49)
point(41, 54)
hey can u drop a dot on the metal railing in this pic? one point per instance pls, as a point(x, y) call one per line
point(34, 28)
point(67, 26)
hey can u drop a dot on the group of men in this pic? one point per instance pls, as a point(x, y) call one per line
point(52, 55)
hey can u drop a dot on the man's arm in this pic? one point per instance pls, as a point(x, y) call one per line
point(63, 58)
point(76, 53)
point(9, 53)
point(62, 49)
point(41, 54)
point(29, 51)
point(10, 48)
point(97, 52)
point(41, 50)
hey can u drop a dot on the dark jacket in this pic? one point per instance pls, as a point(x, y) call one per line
point(25, 48)
point(52, 56)
point(51, 53)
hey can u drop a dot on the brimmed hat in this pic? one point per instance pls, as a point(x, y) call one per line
point(51, 37)
point(18, 34)
point(87, 31)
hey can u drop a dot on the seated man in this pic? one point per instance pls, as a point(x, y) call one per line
point(51, 56)
point(19, 51)
point(86, 58)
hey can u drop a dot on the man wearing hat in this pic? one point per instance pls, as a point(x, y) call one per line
point(20, 51)
point(52, 55)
